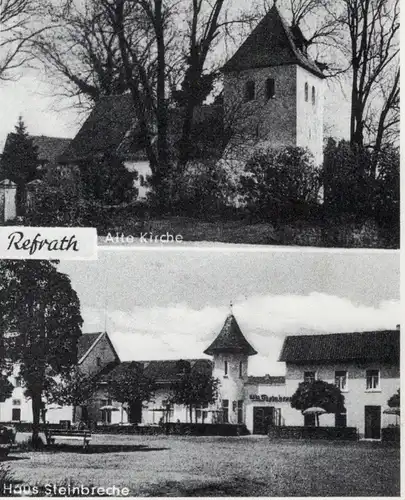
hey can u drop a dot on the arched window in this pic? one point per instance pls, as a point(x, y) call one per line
point(250, 90)
point(313, 95)
point(270, 88)
point(306, 91)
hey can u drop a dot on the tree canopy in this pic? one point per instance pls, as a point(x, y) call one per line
point(6, 388)
point(194, 387)
point(73, 388)
point(318, 394)
point(395, 400)
point(131, 387)
point(41, 324)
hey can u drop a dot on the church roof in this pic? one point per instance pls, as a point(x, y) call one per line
point(271, 43)
point(231, 340)
point(112, 126)
point(105, 129)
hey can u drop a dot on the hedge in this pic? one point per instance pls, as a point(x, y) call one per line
point(391, 434)
point(333, 433)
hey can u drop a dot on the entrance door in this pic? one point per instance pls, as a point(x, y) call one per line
point(263, 418)
point(372, 421)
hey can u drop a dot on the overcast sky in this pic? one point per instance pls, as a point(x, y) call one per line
point(33, 97)
point(167, 305)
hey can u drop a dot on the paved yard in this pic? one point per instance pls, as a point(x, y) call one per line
point(216, 466)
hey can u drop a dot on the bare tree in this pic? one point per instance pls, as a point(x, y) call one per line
point(16, 18)
point(373, 28)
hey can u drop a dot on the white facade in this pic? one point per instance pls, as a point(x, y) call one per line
point(144, 172)
point(366, 385)
point(8, 203)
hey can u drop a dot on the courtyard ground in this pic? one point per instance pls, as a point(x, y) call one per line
point(216, 466)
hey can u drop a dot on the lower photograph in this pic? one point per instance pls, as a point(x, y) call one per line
point(195, 372)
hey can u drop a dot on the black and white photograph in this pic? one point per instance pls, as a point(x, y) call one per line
point(269, 122)
point(174, 373)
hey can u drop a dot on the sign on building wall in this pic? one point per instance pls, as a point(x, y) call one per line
point(270, 399)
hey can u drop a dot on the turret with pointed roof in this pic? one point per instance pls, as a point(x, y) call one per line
point(230, 340)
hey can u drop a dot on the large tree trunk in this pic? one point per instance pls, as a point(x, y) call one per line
point(162, 118)
point(36, 413)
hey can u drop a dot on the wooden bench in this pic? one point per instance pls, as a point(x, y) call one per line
point(68, 434)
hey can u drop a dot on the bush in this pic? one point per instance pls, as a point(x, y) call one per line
point(55, 206)
point(204, 188)
point(106, 180)
point(276, 183)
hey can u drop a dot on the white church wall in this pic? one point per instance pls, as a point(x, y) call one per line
point(309, 113)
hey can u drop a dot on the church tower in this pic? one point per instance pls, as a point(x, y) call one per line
point(273, 92)
point(230, 351)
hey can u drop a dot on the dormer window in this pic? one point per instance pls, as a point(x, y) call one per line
point(306, 91)
point(250, 90)
point(313, 96)
point(270, 88)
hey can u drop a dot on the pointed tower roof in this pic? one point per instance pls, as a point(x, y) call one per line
point(271, 43)
point(231, 340)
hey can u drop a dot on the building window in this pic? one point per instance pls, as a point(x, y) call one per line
point(372, 379)
point(241, 369)
point(270, 88)
point(226, 368)
point(341, 379)
point(141, 180)
point(306, 91)
point(18, 381)
point(309, 377)
point(340, 420)
point(225, 410)
point(309, 420)
point(240, 411)
point(98, 361)
point(250, 90)
point(313, 95)
point(16, 414)
point(16, 402)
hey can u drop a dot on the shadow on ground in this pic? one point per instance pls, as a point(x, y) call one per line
point(12, 458)
point(101, 448)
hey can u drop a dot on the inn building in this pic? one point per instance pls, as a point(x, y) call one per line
point(364, 365)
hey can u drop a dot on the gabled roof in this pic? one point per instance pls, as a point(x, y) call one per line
point(380, 346)
point(112, 126)
point(231, 340)
point(266, 380)
point(105, 129)
point(271, 43)
point(161, 371)
point(49, 148)
point(87, 341)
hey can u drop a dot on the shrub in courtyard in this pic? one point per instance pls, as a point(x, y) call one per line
point(318, 394)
